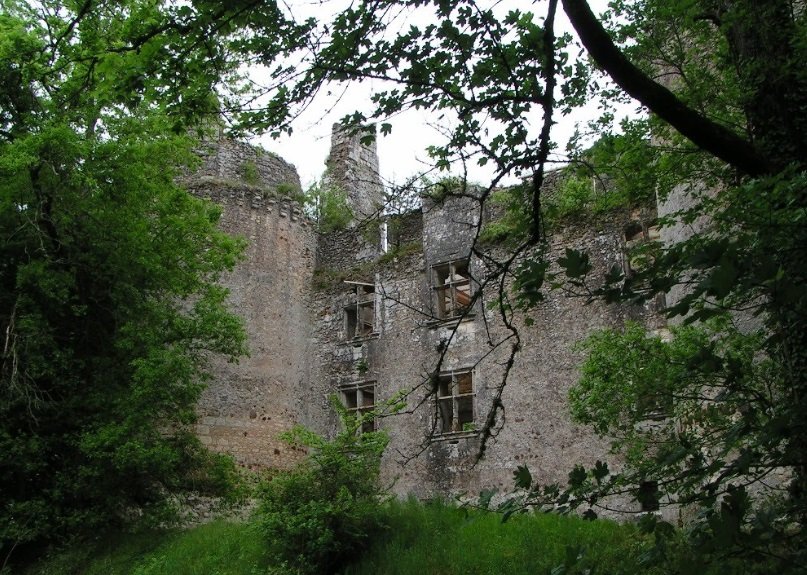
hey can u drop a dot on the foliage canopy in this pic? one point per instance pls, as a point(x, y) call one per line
point(109, 306)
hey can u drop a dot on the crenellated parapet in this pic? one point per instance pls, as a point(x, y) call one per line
point(229, 160)
point(236, 194)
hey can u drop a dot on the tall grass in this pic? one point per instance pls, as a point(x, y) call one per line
point(421, 539)
point(217, 548)
point(437, 539)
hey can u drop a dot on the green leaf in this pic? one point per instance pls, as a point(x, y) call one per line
point(522, 477)
point(575, 264)
point(600, 471)
point(577, 477)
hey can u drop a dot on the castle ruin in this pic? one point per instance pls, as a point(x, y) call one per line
point(367, 318)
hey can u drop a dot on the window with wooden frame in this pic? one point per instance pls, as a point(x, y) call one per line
point(359, 400)
point(455, 402)
point(451, 283)
point(360, 313)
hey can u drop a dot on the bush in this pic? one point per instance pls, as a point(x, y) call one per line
point(328, 205)
point(318, 516)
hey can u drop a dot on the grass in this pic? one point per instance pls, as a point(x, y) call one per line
point(218, 548)
point(442, 540)
point(422, 539)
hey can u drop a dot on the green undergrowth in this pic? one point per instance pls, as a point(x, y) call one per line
point(420, 539)
point(218, 548)
point(437, 538)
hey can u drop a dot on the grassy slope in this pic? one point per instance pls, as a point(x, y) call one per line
point(421, 540)
point(217, 548)
point(435, 539)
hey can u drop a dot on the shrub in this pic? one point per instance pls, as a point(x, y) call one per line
point(250, 173)
point(292, 191)
point(573, 198)
point(328, 205)
point(318, 516)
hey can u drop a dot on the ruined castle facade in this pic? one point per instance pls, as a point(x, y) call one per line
point(393, 309)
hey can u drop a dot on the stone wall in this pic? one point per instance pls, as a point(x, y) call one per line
point(248, 404)
point(407, 344)
point(345, 249)
point(297, 290)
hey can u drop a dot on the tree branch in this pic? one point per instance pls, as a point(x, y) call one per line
point(700, 130)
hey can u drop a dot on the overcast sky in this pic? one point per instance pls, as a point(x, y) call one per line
point(402, 153)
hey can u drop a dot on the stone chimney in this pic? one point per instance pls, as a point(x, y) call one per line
point(353, 167)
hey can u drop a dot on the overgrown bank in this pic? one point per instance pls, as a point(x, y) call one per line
point(418, 539)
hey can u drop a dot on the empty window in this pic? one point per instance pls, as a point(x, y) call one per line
point(360, 313)
point(634, 232)
point(455, 402)
point(655, 406)
point(648, 495)
point(452, 287)
point(359, 400)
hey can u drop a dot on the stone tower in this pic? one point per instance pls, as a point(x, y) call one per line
point(353, 168)
point(248, 404)
point(331, 315)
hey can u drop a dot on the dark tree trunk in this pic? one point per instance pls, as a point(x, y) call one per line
point(765, 49)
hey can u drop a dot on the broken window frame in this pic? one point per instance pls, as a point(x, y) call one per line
point(453, 296)
point(455, 403)
point(358, 399)
point(635, 233)
point(637, 254)
point(360, 314)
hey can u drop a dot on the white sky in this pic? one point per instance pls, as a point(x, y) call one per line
point(402, 153)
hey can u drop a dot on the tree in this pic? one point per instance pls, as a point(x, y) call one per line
point(328, 206)
point(109, 306)
point(728, 119)
point(319, 516)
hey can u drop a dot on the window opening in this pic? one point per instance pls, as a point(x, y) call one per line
point(648, 495)
point(452, 287)
point(360, 313)
point(455, 402)
point(359, 400)
point(637, 253)
point(633, 231)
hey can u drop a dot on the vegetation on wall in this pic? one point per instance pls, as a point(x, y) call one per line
point(327, 204)
point(249, 172)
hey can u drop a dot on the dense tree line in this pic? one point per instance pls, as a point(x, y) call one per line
point(109, 305)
